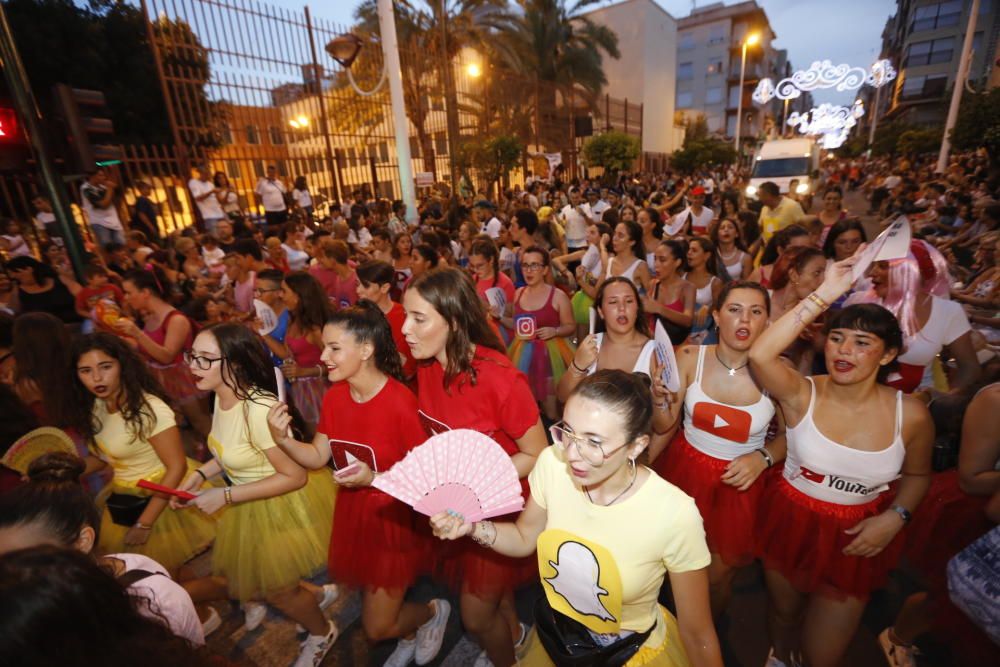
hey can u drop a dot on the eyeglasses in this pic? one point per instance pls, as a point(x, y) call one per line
point(198, 361)
point(591, 450)
point(534, 266)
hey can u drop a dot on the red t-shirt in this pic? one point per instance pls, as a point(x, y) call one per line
point(388, 422)
point(88, 296)
point(499, 405)
point(503, 282)
point(342, 292)
point(396, 317)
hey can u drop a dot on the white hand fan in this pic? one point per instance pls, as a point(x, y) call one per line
point(461, 470)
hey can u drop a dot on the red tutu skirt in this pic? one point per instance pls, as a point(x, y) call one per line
point(728, 514)
point(467, 566)
point(947, 521)
point(375, 542)
point(803, 539)
point(178, 383)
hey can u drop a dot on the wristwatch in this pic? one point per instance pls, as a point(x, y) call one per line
point(903, 513)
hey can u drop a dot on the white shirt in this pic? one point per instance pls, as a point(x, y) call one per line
point(302, 198)
point(597, 209)
point(699, 222)
point(103, 217)
point(168, 601)
point(362, 238)
point(272, 194)
point(891, 181)
point(576, 227)
point(209, 207)
point(709, 185)
point(492, 227)
point(297, 259)
point(213, 257)
point(44, 218)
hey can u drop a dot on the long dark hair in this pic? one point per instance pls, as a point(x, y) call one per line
point(838, 228)
point(876, 320)
point(487, 249)
point(41, 352)
point(452, 295)
point(777, 244)
point(136, 382)
point(641, 321)
point(313, 307)
point(713, 264)
point(635, 234)
point(17, 420)
point(97, 621)
point(151, 278)
point(367, 323)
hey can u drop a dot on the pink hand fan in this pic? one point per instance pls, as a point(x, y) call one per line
point(461, 470)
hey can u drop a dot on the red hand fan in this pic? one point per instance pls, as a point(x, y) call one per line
point(461, 470)
point(153, 486)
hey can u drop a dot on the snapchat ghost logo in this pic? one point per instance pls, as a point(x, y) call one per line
point(581, 580)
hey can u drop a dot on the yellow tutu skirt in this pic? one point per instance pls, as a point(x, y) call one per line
point(177, 535)
point(266, 546)
point(670, 652)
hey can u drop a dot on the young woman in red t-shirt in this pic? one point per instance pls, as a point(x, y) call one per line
point(466, 381)
point(375, 282)
point(374, 545)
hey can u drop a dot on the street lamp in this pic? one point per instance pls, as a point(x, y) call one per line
point(300, 122)
point(474, 70)
point(750, 40)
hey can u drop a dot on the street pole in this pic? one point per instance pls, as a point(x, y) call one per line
point(871, 130)
point(390, 53)
point(956, 93)
point(24, 98)
point(739, 101)
point(784, 119)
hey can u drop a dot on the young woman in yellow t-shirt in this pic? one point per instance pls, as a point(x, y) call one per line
point(121, 411)
point(276, 526)
point(600, 564)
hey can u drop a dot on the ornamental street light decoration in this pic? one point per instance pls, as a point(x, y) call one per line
point(831, 123)
point(823, 75)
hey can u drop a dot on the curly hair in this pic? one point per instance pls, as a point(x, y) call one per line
point(135, 384)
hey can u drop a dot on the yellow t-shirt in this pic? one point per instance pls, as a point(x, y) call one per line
point(785, 213)
point(131, 459)
point(238, 439)
point(603, 566)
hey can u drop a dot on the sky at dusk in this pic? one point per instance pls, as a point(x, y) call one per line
point(844, 31)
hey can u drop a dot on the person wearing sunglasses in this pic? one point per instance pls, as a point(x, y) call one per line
point(600, 566)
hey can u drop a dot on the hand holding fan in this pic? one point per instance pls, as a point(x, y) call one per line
point(665, 353)
point(462, 470)
point(34, 444)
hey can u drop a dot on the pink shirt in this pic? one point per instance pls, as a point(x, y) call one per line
point(168, 601)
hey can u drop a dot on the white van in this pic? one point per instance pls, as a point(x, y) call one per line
point(783, 160)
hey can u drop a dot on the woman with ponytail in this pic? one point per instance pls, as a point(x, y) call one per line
point(374, 545)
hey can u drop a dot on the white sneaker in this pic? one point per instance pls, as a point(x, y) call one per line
point(253, 615)
point(212, 623)
point(896, 655)
point(403, 655)
point(431, 634)
point(482, 660)
point(330, 594)
point(315, 647)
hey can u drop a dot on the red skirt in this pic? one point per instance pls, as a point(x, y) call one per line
point(375, 542)
point(803, 539)
point(728, 514)
point(947, 521)
point(468, 567)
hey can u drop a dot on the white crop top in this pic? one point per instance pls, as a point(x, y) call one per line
point(828, 471)
point(721, 430)
point(641, 364)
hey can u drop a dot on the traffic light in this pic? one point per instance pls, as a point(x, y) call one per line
point(89, 130)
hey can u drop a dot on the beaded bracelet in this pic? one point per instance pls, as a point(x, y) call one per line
point(228, 491)
point(482, 541)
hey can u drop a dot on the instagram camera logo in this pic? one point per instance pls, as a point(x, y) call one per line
point(525, 326)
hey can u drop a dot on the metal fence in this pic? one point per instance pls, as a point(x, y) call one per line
point(249, 85)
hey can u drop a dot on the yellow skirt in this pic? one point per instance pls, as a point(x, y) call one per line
point(177, 535)
point(266, 546)
point(670, 652)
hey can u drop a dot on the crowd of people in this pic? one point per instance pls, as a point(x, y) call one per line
point(833, 429)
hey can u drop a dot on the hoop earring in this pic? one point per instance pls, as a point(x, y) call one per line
point(631, 462)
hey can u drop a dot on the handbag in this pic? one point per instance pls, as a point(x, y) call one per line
point(126, 509)
point(570, 644)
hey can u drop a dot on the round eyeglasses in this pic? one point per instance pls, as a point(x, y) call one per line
point(590, 447)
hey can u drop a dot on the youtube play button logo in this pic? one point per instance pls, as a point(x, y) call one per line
point(722, 421)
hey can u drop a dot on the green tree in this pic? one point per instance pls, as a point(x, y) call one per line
point(492, 157)
point(887, 137)
point(978, 124)
point(700, 147)
point(612, 151)
point(919, 140)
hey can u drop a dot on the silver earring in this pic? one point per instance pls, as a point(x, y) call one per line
point(631, 462)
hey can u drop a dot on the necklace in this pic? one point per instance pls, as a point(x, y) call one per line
point(635, 474)
point(732, 371)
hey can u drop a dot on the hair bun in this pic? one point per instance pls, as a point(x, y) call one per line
point(56, 467)
point(643, 379)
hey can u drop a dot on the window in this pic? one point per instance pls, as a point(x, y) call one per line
point(716, 34)
point(687, 41)
point(282, 168)
point(915, 87)
point(714, 67)
point(275, 134)
point(352, 157)
point(685, 100)
point(441, 143)
point(734, 96)
point(930, 52)
point(383, 151)
point(232, 169)
point(940, 15)
point(414, 147)
point(685, 71)
point(253, 137)
point(226, 134)
point(713, 95)
point(259, 168)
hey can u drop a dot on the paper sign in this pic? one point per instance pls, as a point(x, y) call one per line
point(344, 453)
point(665, 353)
point(280, 377)
point(892, 243)
point(268, 319)
point(593, 320)
point(497, 299)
